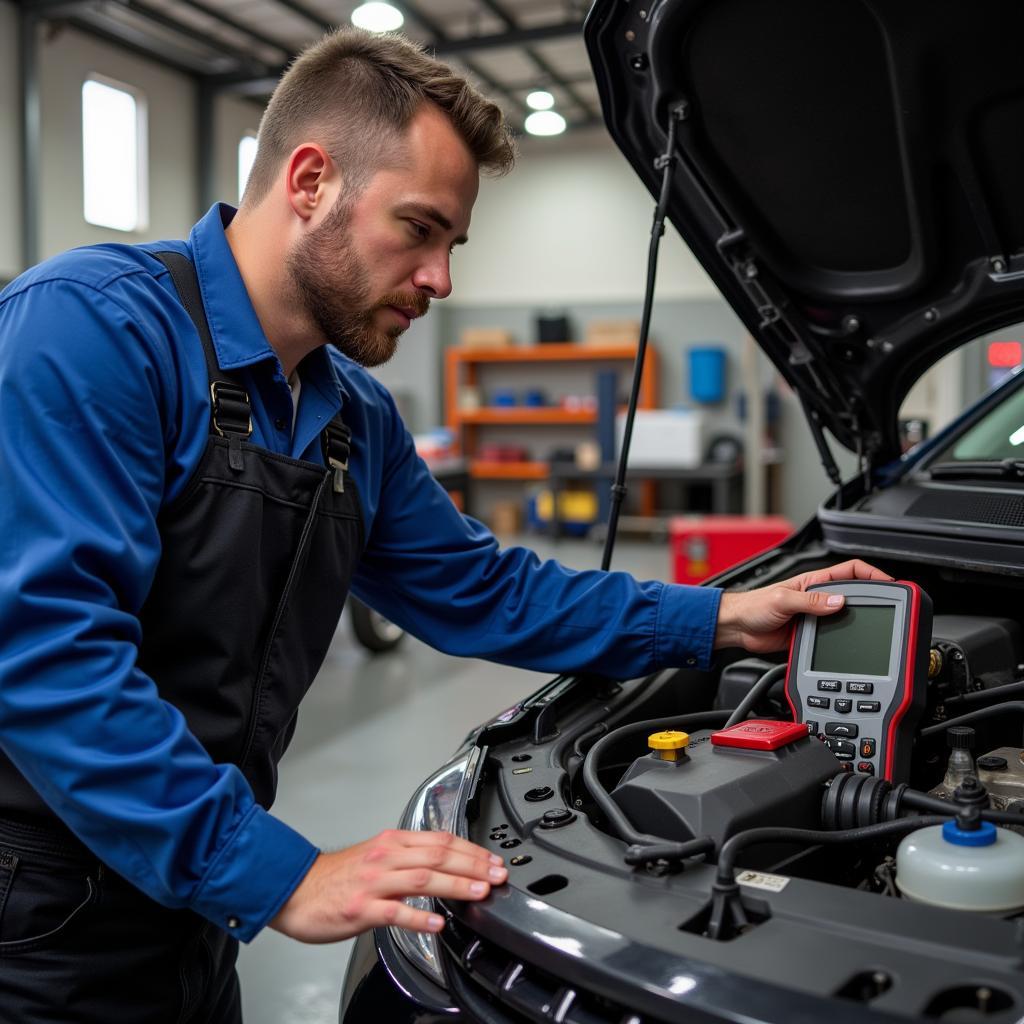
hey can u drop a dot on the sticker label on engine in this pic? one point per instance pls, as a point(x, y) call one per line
point(759, 880)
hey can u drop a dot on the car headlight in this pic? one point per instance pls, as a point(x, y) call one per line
point(434, 808)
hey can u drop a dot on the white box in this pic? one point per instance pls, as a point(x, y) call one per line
point(665, 438)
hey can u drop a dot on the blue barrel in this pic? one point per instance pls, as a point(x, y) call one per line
point(707, 374)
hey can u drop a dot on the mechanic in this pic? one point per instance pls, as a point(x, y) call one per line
point(189, 495)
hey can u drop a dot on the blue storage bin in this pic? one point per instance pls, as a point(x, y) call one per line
point(707, 374)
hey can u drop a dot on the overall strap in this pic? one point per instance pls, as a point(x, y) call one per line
point(337, 443)
point(230, 409)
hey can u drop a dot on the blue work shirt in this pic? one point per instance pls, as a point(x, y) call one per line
point(104, 414)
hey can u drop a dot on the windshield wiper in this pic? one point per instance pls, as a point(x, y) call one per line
point(1002, 469)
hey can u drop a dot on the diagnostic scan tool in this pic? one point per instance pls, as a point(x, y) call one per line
point(858, 678)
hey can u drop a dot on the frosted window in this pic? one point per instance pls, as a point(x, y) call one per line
point(113, 147)
point(246, 155)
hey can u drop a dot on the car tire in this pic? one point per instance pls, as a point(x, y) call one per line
point(372, 630)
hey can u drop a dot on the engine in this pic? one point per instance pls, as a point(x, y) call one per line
point(714, 783)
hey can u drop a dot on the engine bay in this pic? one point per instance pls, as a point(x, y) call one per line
point(752, 848)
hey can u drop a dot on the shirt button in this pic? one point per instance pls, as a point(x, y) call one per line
point(233, 922)
point(279, 423)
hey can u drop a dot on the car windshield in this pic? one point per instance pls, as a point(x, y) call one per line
point(997, 436)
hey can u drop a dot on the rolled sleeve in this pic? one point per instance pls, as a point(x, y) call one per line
point(685, 632)
point(253, 875)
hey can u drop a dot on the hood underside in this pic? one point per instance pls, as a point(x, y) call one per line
point(848, 172)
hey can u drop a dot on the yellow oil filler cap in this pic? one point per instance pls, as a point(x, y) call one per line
point(669, 746)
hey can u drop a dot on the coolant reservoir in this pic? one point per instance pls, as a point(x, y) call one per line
point(981, 869)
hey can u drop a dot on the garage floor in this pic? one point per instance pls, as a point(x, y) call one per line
point(369, 732)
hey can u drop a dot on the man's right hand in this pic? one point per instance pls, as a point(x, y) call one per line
point(362, 887)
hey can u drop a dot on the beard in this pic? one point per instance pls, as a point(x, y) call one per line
point(332, 283)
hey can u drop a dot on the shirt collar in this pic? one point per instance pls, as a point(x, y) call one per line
point(238, 338)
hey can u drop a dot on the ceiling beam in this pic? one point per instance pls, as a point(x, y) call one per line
point(218, 15)
point(540, 62)
point(218, 46)
point(307, 13)
point(50, 8)
point(441, 37)
point(128, 38)
point(514, 37)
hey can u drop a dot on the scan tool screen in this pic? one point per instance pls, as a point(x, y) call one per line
point(857, 640)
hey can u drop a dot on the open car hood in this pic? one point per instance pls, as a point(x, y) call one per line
point(850, 173)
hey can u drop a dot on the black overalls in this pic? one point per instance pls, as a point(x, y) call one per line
point(257, 555)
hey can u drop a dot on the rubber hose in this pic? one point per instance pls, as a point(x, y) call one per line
point(757, 691)
point(619, 824)
point(973, 716)
point(808, 836)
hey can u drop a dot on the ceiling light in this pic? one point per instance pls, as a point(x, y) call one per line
point(540, 99)
point(545, 122)
point(377, 17)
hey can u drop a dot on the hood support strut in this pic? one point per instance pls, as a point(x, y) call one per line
point(824, 452)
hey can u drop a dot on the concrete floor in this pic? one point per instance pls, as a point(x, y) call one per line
point(371, 729)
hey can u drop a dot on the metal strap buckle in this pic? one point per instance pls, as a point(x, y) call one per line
point(337, 447)
point(220, 391)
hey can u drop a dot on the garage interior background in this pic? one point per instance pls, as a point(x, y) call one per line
point(567, 231)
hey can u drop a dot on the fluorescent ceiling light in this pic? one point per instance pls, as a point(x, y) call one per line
point(545, 122)
point(540, 99)
point(1017, 437)
point(377, 17)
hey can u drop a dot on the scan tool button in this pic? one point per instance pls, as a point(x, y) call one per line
point(868, 707)
point(830, 685)
point(854, 687)
point(842, 748)
point(848, 729)
point(843, 706)
point(818, 702)
point(865, 768)
point(867, 747)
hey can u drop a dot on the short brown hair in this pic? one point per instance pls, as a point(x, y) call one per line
point(359, 91)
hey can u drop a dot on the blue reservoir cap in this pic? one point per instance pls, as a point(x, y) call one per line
point(983, 835)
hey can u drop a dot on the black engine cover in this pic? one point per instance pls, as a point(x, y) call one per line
point(718, 791)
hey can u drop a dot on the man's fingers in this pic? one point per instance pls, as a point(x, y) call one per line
point(438, 858)
point(445, 839)
point(854, 569)
point(401, 915)
point(427, 882)
point(813, 602)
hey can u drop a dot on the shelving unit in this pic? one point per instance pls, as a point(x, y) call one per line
point(463, 368)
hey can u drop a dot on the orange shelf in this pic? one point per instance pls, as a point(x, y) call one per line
point(525, 415)
point(481, 469)
point(466, 367)
point(558, 351)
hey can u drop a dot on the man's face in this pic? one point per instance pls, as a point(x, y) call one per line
point(377, 259)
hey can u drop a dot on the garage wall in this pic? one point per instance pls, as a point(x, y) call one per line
point(10, 144)
point(233, 118)
point(570, 224)
point(65, 60)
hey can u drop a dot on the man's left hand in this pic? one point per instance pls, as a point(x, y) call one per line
point(759, 620)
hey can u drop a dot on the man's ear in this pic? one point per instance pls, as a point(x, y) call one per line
point(310, 180)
